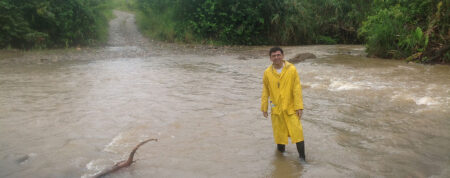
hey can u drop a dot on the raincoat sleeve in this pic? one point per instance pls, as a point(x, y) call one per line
point(297, 92)
point(265, 94)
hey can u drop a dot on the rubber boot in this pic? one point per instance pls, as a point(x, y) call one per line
point(301, 150)
point(281, 148)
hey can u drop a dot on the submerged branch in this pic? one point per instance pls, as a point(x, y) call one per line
point(124, 163)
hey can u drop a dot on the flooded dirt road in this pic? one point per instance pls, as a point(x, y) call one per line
point(72, 113)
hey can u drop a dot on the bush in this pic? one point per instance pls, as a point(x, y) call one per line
point(383, 31)
point(415, 29)
point(255, 22)
point(52, 23)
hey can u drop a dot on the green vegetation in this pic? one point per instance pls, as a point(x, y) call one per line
point(53, 23)
point(123, 5)
point(251, 22)
point(415, 30)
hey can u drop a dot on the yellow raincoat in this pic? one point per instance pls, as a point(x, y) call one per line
point(285, 94)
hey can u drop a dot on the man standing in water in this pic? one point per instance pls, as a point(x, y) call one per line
point(283, 92)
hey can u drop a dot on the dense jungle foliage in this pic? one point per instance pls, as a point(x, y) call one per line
point(52, 23)
point(416, 30)
point(413, 29)
point(253, 22)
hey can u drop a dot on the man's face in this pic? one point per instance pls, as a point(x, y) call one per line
point(276, 57)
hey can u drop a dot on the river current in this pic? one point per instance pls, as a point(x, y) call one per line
point(74, 113)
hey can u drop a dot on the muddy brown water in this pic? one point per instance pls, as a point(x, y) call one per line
point(72, 113)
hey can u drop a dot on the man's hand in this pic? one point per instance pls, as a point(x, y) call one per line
point(265, 114)
point(299, 113)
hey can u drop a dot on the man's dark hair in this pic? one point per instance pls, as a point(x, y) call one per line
point(275, 49)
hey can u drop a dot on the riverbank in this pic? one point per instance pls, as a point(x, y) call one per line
point(125, 41)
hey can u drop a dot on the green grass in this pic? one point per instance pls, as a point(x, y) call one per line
point(158, 26)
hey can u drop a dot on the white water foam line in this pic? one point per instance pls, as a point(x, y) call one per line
point(92, 165)
point(95, 166)
point(341, 85)
point(123, 140)
point(318, 86)
point(425, 100)
point(114, 143)
point(314, 85)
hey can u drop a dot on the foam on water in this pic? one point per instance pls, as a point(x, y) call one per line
point(342, 85)
point(426, 101)
point(114, 143)
point(95, 166)
point(314, 85)
point(318, 86)
point(91, 165)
